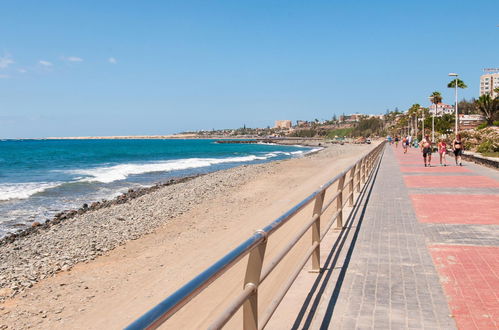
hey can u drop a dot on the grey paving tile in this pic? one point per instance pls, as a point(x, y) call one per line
point(390, 280)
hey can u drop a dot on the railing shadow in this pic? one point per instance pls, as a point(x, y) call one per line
point(321, 282)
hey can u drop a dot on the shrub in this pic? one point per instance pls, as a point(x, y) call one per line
point(488, 146)
point(481, 126)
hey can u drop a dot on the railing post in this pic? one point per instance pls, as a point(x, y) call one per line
point(339, 203)
point(316, 232)
point(252, 278)
point(351, 185)
point(364, 162)
point(359, 174)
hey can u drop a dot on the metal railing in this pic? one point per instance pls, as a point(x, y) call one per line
point(348, 180)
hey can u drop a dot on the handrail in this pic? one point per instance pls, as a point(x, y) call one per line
point(255, 246)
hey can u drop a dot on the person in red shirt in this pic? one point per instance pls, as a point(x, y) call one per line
point(442, 150)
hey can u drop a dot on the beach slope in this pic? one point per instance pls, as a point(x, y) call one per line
point(123, 260)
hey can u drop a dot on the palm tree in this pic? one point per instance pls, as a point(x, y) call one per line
point(488, 106)
point(413, 112)
point(436, 98)
point(460, 84)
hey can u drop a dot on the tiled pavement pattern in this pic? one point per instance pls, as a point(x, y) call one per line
point(460, 214)
point(436, 273)
point(391, 281)
point(451, 208)
point(470, 279)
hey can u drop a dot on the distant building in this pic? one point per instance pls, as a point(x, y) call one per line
point(377, 116)
point(489, 82)
point(301, 123)
point(351, 118)
point(283, 124)
point(440, 109)
point(470, 121)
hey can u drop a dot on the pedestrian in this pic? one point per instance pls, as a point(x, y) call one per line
point(457, 147)
point(404, 144)
point(409, 140)
point(442, 150)
point(396, 141)
point(426, 149)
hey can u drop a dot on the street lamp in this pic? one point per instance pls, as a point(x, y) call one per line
point(422, 125)
point(433, 120)
point(455, 105)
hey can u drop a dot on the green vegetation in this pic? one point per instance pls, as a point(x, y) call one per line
point(489, 107)
point(460, 84)
point(467, 107)
point(488, 146)
point(436, 98)
point(340, 132)
point(312, 132)
point(368, 127)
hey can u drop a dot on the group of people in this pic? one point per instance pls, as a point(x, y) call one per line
point(427, 148)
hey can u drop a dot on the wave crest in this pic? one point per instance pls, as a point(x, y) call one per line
point(121, 172)
point(9, 191)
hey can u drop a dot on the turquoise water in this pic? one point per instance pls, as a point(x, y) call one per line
point(41, 177)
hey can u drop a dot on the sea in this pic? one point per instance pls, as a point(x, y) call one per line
point(39, 178)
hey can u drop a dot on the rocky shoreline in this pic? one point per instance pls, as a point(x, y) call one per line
point(71, 213)
point(76, 236)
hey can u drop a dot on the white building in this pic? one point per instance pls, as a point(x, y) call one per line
point(440, 109)
point(470, 121)
point(489, 82)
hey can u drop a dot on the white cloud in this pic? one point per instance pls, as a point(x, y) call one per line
point(5, 61)
point(45, 63)
point(4, 76)
point(112, 60)
point(73, 59)
point(22, 70)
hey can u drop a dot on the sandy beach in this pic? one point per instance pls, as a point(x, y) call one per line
point(104, 268)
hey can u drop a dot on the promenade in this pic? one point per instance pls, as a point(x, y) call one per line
point(422, 251)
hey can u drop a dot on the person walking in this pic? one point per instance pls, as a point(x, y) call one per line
point(426, 149)
point(442, 150)
point(404, 144)
point(396, 141)
point(457, 147)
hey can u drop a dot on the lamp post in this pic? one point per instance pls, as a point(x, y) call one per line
point(433, 120)
point(455, 105)
point(422, 125)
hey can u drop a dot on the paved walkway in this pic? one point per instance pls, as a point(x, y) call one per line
point(424, 253)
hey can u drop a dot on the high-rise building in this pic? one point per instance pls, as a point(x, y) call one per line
point(489, 82)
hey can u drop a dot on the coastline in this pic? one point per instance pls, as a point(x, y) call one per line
point(87, 209)
point(41, 223)
point(191, 211)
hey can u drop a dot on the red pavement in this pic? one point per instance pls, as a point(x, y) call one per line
point(457, 209)
point(471, 282)
point(469, 274)
point(428, 181)
point(436, 169)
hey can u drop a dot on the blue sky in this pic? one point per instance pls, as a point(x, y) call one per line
point(84, 68)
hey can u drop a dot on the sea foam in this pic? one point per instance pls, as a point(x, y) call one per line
point(109, 174)
point(9, 191)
